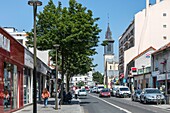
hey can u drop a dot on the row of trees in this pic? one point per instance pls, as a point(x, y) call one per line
point(74, 29)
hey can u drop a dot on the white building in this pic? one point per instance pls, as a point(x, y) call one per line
point(87, 79)
point(150, 27)
point(110, 60)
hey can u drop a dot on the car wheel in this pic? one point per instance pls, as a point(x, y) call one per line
point(145, 101)
point(132, 98)
point(141, 100)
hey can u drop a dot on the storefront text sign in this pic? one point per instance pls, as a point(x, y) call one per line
point(162, 77)
point(4, 43)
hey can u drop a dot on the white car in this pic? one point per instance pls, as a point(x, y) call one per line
point(82, 92)
point(123, 91)
point(94, 90)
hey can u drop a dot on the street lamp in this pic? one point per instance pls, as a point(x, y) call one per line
point(56, 97)
point(144, 83)
point(34, 3)
point(106, 80)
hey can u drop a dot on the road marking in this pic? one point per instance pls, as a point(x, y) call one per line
point(111, 104)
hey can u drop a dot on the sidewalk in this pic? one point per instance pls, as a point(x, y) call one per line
point(163, 106)
point(74, 107)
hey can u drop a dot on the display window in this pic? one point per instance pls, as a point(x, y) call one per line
point(10, 86)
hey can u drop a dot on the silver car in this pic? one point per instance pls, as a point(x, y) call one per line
point(151, 95)
point(136, 95)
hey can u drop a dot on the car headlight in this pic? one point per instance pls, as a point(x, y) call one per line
point(148, 96)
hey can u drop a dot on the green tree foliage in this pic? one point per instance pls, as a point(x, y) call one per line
point(81, 83)
point(98, 77)
point(74, 29)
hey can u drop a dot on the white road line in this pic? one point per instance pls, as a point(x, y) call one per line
point(111, 104)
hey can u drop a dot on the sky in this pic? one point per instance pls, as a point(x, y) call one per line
point(18, 14)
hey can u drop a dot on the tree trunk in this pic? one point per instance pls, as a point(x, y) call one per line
point(67, 82)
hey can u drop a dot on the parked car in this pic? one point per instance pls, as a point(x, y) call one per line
point(99, 88)
point(87, 88)
point(104, 92)
point(123, 91)
point(82, 92)
point(94, 90)
point(151, 95)
point(136, 95)
point(113, 91)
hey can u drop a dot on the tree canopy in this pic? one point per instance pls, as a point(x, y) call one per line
point(74, 29)
point(98, 77)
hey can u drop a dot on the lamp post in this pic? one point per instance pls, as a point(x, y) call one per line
point(106, 82)
point(56, 97)
point(34, 3)
point(144, 83)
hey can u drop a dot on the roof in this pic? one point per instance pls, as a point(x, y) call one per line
point(162, 48)
point(143, 53)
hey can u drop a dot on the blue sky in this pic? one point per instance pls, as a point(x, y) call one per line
point(18, 14)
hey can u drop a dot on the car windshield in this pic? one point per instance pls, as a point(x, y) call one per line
point(82, 90)
point(100, 87)
point(105, 90)
point(124, 89)
point(138, 91)
point(152, 91)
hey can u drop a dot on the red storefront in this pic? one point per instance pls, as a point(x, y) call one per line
point(11, 73)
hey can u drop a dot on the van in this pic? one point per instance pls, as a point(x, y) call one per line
point(123, 91)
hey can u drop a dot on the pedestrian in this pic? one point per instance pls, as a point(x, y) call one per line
point(6, 98)
point(59, 98)
point(45, 95)
point(76, 93)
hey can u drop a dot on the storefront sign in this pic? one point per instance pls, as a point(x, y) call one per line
point(162, 77)
point(4, 43)
point(28, 59)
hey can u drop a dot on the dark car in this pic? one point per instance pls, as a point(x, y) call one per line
point(104, 92)
point(136, 95)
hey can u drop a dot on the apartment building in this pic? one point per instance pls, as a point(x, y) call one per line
point(149, 28)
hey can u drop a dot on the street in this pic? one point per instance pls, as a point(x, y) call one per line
point(93, 104)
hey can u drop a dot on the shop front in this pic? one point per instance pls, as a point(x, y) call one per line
point(161, 82)
point(11, 73)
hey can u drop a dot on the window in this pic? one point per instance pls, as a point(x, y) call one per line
point(164, 37)
point(110, 67)
point(164, 26)
point(109, 47)
point(76, 79)
point(164, 14)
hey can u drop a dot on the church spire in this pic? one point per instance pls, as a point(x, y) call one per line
point(108, 32)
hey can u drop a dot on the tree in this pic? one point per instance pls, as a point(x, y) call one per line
point(75, 30)
point(98, 77)
point(81, 83)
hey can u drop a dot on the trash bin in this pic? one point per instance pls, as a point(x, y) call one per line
point(167, 99)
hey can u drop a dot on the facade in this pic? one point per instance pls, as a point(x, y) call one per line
point(161, 68)
point(11, 72)
point(87, 79)
point(139, 70)
point(110, 60)
point(143, 32)
point(16, 73)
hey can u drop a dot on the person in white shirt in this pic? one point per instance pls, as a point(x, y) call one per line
point(76, 93)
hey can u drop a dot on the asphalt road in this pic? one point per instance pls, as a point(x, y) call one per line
point(93, 104)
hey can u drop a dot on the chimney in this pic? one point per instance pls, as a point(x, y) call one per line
point(157, 1)
point(147, 7)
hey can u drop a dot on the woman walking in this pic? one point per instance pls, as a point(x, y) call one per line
point(45, 95)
